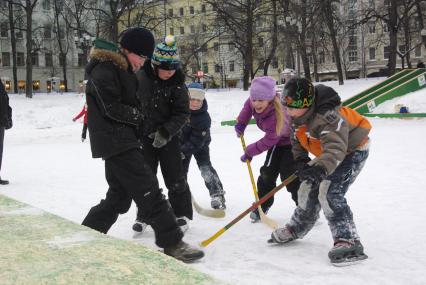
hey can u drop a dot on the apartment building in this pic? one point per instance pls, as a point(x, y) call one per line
point(47, 63)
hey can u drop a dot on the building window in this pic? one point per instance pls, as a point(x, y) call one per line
point(4, 27)
point(231, 66)
point(205, 67)
point(180, 11)
point(191, 10)
point(372, 53)
point(170, 12)
point(48, 59)
point(372, 28)
point(5, 58)
point(217, 68)
point(36, 85)
point(193, 69)
point(61, 33)
point(216, 46)
point(47, 32)
point(231, 46)
point(192, 29)
point(46, 4)
point(385, 28)
point(182, 30)
point(261, 42)
point(333, 59)
point(353, 55)
point(386, 52)
point(203, 8)
point(204, 27)
point(321, 57)
point(82, 59)
point(20, 59)
point(418, 51)
point(171, 31)
point(34, 59)
point(62, 59)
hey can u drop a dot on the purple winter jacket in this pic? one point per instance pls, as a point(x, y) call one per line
point(266, 121)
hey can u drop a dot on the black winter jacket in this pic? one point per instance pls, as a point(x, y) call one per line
point(113, 111)
point(5, 109)
point(165, 103)
point(196, 134)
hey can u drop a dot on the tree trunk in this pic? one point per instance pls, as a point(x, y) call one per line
point(29, 42)
point(274, 38)
point(393, 34)
point(328, 16)
point(13, 43)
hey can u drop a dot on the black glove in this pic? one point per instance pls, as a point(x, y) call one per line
point(159, 140)
point(301, 163)
point(313, 174)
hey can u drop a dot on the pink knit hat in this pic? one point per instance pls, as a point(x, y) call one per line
point(263, 88)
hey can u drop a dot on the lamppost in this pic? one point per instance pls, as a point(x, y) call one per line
point(84, 42)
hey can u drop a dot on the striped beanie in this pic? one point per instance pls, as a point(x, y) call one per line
point(165, 54)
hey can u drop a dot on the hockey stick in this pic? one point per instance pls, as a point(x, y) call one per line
point(206, 242)
point(265, 219)
point(213, 213)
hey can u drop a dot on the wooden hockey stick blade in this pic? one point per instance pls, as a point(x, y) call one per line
point(213, 213)
point(288, 180)
point(266, 220)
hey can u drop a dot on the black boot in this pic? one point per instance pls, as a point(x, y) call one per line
point(184, 252)
point(4, 182)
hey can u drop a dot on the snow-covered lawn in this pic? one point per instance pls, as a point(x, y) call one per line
point(50, 168)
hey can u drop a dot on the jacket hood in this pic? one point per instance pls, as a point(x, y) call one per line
point(177, 79)
point(102, 55)
point(326, 98)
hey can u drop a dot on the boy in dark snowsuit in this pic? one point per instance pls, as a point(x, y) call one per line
point(165, 105)
point(195, 140)
point(338, 138)
point(113, 118)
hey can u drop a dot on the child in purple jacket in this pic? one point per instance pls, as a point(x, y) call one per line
point(271, 118)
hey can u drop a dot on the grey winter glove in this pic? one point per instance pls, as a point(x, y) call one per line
point(159, 140)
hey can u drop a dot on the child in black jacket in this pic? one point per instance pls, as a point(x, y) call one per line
point(195, 140)
point(165, 106)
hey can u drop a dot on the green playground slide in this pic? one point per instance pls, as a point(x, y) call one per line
point(40, 248)
point(405, 81)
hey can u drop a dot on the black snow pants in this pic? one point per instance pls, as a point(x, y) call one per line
point(170, 161)
point(130, 178)
point(209, 174)
point(279, 160)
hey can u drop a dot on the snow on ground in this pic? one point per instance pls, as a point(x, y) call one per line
point(51, 169)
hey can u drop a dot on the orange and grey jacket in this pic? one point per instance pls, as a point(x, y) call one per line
point(328, 130)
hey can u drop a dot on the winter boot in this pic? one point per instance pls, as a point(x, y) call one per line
point(139, 226)
point(255, 216)
point(184, 252)
point(282, 235)
point(4, 182)
point(346, 251)
point(183, 223)
point(218, 202)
